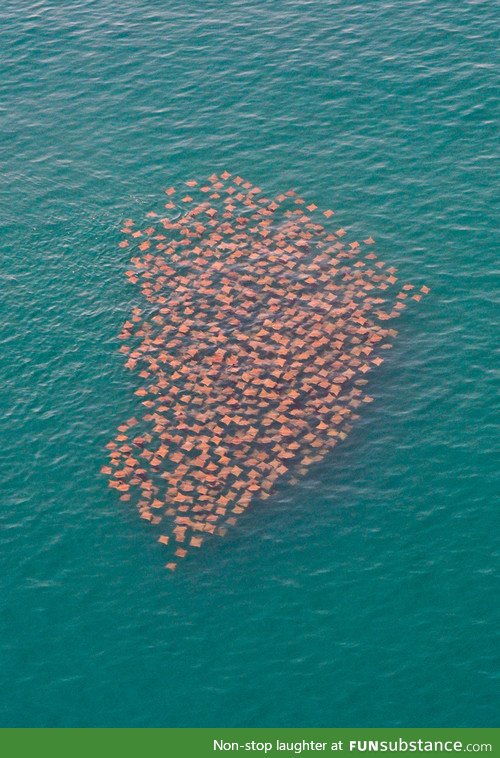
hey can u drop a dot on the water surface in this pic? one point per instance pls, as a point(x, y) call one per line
point(365, 595)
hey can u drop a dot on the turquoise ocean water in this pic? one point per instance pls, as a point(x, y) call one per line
point(365, 595)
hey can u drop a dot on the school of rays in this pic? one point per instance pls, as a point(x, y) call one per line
point(254, 344)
